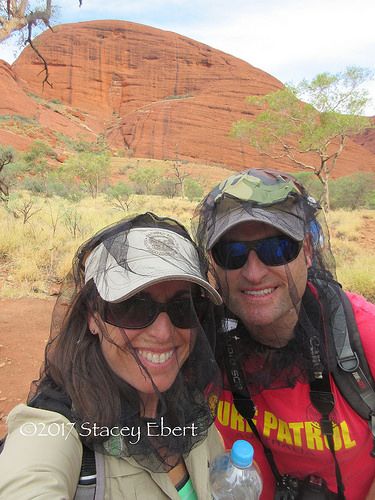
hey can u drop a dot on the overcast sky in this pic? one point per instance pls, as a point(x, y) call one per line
point(290, 39)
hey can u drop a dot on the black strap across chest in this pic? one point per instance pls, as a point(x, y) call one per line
point(320, 394)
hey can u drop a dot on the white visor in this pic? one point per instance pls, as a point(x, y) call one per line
point(151, 255)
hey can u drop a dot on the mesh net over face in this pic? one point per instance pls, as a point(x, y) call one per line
point(106, 380)
point(275, 288)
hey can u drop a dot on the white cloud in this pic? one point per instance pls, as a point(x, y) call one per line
point(295, 39)
point(282, 33)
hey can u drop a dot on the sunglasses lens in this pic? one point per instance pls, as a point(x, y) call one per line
point(136, 312)
point(186, 313)
point(230, 255)
point(278, 250)
point(182, 313)
point(274, 251)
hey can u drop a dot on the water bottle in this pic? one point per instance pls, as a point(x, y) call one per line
point(234, 475)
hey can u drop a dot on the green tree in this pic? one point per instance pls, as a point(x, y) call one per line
point(310, 122)
point(120, 195)
point(353, 191)
point(144, 179)
point(36, 163)
point(92, 170)
point(6, 158)
point(193, 190)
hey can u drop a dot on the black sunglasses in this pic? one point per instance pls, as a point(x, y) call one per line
point(274, 251)
point(141, 311)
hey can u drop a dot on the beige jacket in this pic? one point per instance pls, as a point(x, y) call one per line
point(42, 459)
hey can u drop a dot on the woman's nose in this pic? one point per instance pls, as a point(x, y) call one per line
point(162, 328)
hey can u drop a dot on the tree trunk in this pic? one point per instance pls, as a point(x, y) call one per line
point(323, 176)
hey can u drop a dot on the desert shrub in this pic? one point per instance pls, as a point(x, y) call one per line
point(52, 184)
point(166, 187)
point(63, 190)
point(353, 191)
point(371, 200)
point(120, 196)
point(193, 190)
point(24, 208)
point(73, 222)
point(38, 153)
point(35, 184)
point(11, 167)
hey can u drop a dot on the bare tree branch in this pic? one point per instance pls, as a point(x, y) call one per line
point(18, 15)
point(44, 62)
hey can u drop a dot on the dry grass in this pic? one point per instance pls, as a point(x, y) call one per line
point(353, 244)
point(35, 257)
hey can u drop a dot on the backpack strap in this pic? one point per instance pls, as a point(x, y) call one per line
point(2, 443)
point(241, 396)
point(322, 398)
point(352, 374)
point(91, 484)
point(100, 479)
point(88, 468)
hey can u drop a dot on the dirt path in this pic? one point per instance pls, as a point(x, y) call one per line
point(24, 330)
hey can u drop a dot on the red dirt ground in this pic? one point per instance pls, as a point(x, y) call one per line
point(24, 332)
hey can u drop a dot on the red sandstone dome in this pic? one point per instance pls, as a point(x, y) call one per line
point(150, 92)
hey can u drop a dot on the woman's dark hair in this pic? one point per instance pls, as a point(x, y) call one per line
point(76, 374)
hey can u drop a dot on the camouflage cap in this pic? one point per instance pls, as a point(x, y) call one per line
point(257, 195)
point(264, 187)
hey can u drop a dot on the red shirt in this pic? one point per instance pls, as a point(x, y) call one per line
point(288, 423)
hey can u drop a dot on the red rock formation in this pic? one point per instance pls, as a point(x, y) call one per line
point(24, 119)
point(155, 93)
point(14, 100)
point(367, 138)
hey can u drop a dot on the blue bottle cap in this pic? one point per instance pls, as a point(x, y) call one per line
point(242, 453)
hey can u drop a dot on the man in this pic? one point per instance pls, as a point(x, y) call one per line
point(275, 272)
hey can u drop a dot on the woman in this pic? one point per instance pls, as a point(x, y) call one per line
point(129, 372)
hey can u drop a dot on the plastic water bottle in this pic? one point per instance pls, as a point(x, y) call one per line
point(234, 475)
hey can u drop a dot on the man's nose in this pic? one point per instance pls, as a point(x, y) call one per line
point(254, 270)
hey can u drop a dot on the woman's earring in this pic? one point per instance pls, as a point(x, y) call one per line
point(93, 325)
